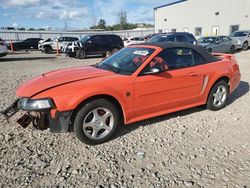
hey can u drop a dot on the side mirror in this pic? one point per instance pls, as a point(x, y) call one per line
point(152, 71)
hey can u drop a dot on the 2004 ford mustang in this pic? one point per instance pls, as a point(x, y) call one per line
point(138, 82)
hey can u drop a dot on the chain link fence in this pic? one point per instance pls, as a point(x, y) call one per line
point(15, 35)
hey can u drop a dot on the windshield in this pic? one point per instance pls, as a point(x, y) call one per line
point(126, 61)
point(85, 38)
point(239, 34)
point(206, 39)
point(158, 38)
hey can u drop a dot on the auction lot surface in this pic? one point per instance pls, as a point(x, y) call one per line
point(191, 148)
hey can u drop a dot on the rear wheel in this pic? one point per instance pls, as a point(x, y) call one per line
point(245, 46)
point(218, 96)
point(108, 53)
point(81, 54)
point(114, 51)
point(232, 50)
point(96, 122)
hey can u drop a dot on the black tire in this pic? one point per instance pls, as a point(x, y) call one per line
point(107, 54)
point(114, 50)
point(211, 98)
point(232, 50)
point(245, 46)
point(81, 54)
point(72, 54)
point(83, 115)
point(48, 50)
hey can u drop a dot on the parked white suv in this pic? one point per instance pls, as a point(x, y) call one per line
point(57, 43)
point(3, 48)
point(135, 40)
point(242, 39)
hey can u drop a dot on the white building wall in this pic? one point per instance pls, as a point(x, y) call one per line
point(190, 14)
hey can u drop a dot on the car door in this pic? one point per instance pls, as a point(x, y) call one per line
point(175, 88)
point(105, 44)
point(56, 43)
point(93, 45)
point(23, 45)
point(218, 45)
point(27, 44)
point(227, 44)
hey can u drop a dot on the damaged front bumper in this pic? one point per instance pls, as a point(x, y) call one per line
point(41, 119)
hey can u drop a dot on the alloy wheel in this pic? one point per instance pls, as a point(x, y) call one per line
point(98, 123)
point(219, 96)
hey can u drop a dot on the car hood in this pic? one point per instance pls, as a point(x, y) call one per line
point(56, 78)
point(45, 40)
point(238, 38)
point(47, 43)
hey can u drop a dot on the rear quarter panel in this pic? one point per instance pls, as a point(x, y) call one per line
point(227, 67)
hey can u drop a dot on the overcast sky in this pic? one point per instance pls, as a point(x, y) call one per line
point(77, 13)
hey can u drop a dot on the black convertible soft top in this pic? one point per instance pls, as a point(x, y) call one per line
point(199, 49)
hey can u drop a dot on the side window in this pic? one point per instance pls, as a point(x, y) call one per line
point(226, 39)
point(105, 39)
point(181, 39)
point(218, 40)
point(176, 58)
point(198, 59)
point(171, 39)
point(96, 39)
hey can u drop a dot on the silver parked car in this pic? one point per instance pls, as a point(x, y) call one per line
point(3, 48)
point(242, 38)
point(218, 44)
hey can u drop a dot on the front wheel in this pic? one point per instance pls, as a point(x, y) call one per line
point(245, 46)
point(81, 54)
point(232, 50)
point(218, 96)
point(96, 122)
point(48, 50)
point(210, 50)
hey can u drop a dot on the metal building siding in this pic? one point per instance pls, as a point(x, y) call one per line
point(201, 13)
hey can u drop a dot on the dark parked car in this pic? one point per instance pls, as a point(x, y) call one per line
point(29, 43)
point(98, 44)
point(174, 37)
point(218, 44)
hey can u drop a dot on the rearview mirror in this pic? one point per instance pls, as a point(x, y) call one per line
point(152, 71)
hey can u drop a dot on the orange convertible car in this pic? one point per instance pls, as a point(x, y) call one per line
point(138, 82)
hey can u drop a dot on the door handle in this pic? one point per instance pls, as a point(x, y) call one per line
point(192, 74)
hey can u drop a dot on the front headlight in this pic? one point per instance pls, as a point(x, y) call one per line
point(238, 42)
point(35, 104)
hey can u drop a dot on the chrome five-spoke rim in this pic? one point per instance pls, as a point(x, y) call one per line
point(219, 96)
point(98, 123)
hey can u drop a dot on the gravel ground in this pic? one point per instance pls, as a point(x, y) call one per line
point(191, 148)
